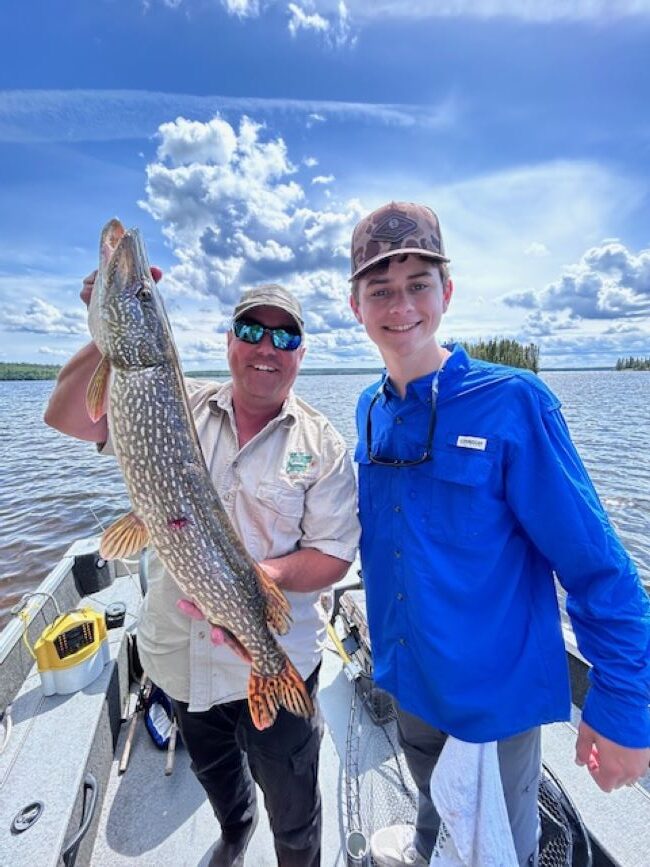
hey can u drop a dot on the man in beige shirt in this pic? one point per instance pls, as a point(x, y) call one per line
point(286, 480)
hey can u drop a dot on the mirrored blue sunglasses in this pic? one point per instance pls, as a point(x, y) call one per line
point(251, 331)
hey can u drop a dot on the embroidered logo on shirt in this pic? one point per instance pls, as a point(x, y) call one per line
point(298, 462)
point(478, 443)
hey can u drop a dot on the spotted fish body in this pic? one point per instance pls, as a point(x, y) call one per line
point(175, 506)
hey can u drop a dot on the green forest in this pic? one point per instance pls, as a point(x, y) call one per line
point(633, 363)
point(505, 351)
point(10, 370)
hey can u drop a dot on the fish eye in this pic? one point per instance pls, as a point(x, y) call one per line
point(144, 293)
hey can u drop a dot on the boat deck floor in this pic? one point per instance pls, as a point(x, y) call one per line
point(152, 819)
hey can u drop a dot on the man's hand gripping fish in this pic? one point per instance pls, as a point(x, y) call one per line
point(175, 506)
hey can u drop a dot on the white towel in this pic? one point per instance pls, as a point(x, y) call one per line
point(467, 791)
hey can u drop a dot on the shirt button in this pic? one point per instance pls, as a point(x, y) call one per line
point(201, 635)
point(397, 508)
point(402, 641)
point(398, 419)
point(400, 597)
point(398, 554)
point(235, 463)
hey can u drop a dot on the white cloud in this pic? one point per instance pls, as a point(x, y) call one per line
point(41, 317)
point(329, 20)
point(527, 10)
point(590, 349)
point(322, 179)
point(299, 19)
point(489, 220)
point(185, 141)
point(207, 352)
point(241, 8)
point(539, 324)
point(609, 282)
point(310, 162)
point(536, 249)
point(535, 11)
point(248, 219)
point(50, 351)
point(110, 115)
point(242, 220)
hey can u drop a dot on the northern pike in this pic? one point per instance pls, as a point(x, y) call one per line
point(176, 509)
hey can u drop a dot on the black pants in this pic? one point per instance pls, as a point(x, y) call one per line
point(228, 753)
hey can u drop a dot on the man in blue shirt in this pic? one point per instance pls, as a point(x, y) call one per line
point(472, 498)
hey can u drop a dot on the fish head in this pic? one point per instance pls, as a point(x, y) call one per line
point(133, 328)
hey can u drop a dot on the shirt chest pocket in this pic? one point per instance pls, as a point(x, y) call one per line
point(284, 506)
point(456, 496)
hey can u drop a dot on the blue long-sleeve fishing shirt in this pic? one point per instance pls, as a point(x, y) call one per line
point(459, 553)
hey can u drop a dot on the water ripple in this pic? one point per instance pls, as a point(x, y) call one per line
point(54, 489)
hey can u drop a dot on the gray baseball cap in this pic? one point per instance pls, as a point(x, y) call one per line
point(394, 229)
point(270, 295)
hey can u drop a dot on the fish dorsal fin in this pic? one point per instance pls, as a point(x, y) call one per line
point(97, 392)
point(125, 537)
point(278, 610)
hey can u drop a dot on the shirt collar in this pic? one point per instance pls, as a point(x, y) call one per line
point(223, 400)
point(455, 366)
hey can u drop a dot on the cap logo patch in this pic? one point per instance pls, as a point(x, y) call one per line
point(393, 228)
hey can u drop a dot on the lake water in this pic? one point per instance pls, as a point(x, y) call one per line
point(54, 489)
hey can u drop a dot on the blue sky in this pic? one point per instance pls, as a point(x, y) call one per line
point(246, 137)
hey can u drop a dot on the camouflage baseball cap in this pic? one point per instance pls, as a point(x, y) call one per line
point(270, 295)
point(394, 229)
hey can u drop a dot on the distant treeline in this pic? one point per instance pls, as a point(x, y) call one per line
point(10, 370)
point(504, 351)
point(633, 363)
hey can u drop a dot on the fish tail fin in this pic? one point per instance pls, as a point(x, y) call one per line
point(278, 610)
point(267, 693)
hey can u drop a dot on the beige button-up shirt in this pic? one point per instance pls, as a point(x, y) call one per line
point(292, 486)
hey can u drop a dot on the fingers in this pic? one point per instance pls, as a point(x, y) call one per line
point(87, 288)
point(609, 779)
point(584, 745)
point(189, 609)
point(608, 772)
point(217, 635)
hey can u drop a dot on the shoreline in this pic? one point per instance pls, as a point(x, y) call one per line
point(50, 376)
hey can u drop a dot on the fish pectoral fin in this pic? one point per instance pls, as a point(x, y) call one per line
point(97, 391)
point(267, 692)
point(124, 538)
point(278, 610)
